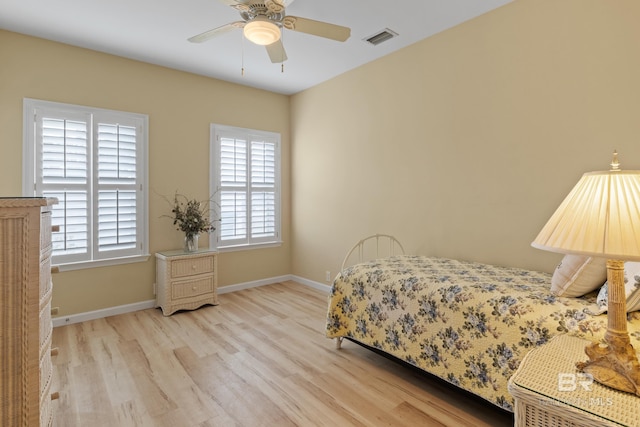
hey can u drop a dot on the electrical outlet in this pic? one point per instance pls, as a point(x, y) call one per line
point(328, 276)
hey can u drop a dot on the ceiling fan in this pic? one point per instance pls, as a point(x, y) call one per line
point(263, 21)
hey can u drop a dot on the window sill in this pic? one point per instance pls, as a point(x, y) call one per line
point(101, 263)
point(237, 248)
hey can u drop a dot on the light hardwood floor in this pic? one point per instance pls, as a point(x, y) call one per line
point(260, 358)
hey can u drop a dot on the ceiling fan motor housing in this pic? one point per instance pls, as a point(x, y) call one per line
point(271, 10)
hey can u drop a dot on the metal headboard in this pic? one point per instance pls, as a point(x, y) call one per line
point(377, 245)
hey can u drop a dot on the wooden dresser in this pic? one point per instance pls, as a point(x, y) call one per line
point(25, 312)
point(186, 280)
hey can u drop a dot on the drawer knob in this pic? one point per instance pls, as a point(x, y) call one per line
point(193, 267)
point(193, 288)
point(55, 395)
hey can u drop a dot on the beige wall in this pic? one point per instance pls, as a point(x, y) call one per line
point(464, 144)
point(461, 145)
point(180, 107)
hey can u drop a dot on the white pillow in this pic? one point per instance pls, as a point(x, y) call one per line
point(631, 289)
point(577, 275)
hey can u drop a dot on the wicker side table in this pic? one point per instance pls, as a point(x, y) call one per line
point(186, 280)
point(550, 391)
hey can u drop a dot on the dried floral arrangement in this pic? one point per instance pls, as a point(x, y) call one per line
point(192, 216)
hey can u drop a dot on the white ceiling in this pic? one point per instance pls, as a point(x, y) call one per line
point(156, 31)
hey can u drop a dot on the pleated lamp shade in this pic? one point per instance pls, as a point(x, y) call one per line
point(600, 217)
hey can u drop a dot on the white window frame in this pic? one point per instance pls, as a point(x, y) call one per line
point(216, 242)
point(32, 184)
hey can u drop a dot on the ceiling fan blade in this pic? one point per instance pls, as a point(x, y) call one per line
point(317, 28)
point(276, 52)
point(234, 3)
point(216, 32)
point(240, 5)
point(274, 6)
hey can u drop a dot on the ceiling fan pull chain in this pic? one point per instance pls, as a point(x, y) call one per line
point(242, 54)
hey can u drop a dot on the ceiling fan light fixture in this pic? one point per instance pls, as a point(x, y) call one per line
point(262, 31)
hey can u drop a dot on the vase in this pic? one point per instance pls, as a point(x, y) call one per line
point(191, 243)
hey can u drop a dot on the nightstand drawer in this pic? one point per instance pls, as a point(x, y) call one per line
point(191, 266)
point(192, 288)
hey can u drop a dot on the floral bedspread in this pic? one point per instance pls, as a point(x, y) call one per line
point(467, 323)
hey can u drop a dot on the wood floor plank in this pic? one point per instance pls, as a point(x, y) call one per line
point(260, 358)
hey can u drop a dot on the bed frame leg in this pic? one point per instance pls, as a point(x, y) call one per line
point(339, 342)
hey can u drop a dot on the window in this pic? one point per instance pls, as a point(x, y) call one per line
point(245, 181)
point(94, 162)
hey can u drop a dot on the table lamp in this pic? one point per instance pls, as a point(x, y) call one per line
point(601, 218)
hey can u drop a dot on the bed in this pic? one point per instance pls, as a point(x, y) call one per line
point(467, 323)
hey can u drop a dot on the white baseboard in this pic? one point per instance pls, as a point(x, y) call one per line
point(254, 284)
point(143, 305)
point(105, 312)
point(315, 285)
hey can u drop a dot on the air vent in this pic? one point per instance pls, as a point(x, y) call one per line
point(381, 37)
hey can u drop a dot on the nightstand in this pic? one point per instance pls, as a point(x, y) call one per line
point(186, 280)
point(550, 391)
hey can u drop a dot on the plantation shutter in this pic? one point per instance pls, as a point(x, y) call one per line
point(233, 189)
point(92, 162)
point(116, 215)
point(263, 215)
point(246, 179)
point(63, 171)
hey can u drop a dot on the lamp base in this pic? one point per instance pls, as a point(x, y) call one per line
point(614, 365)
